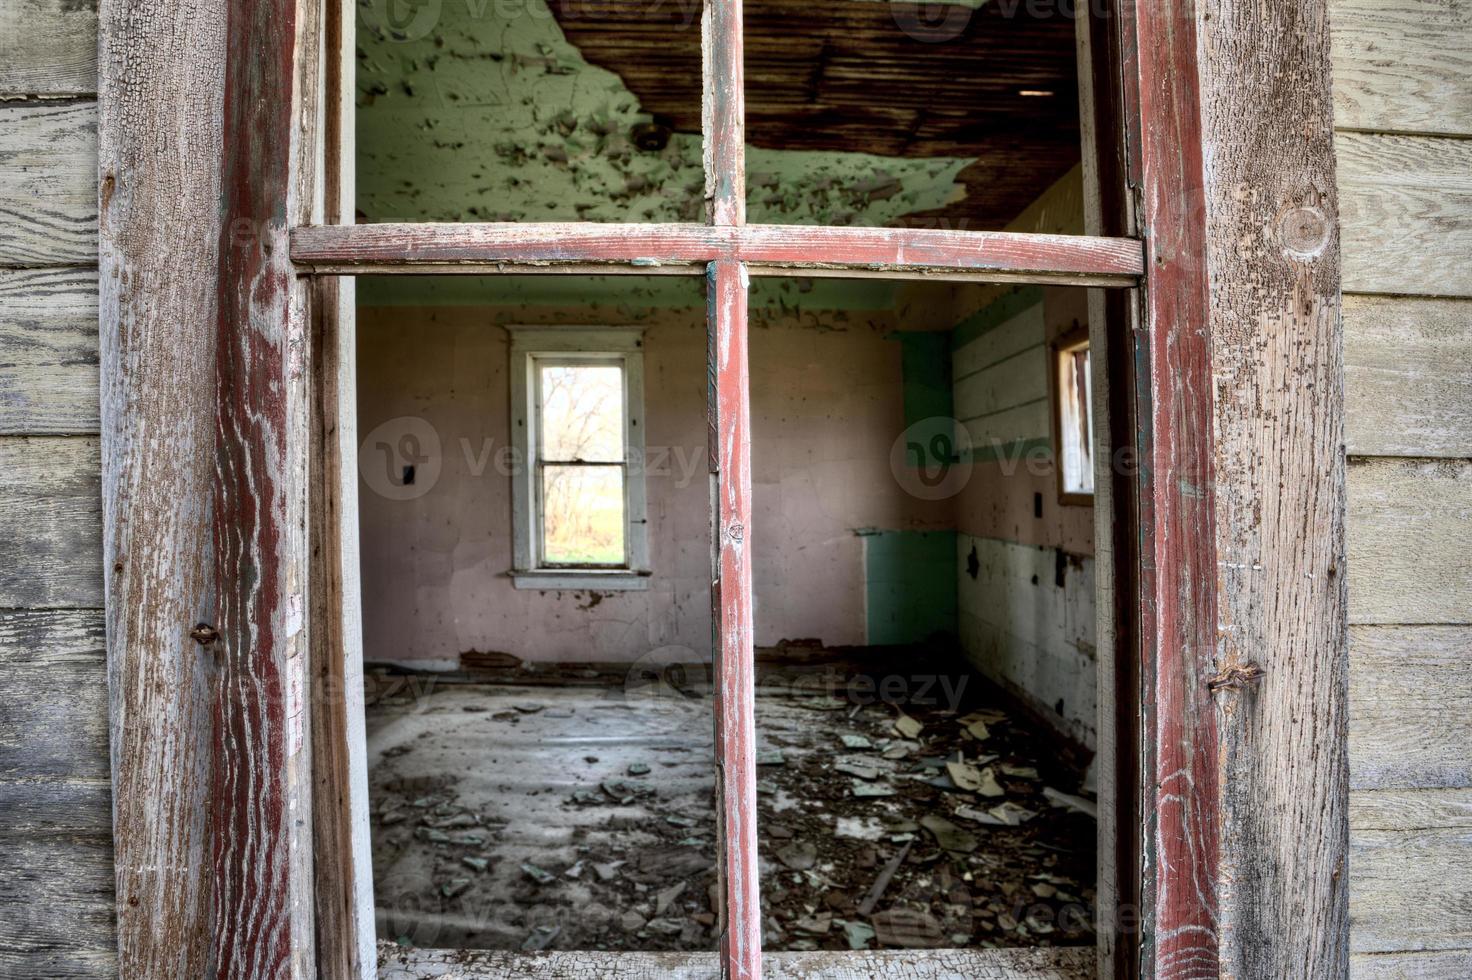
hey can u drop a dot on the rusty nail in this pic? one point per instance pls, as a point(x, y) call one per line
point(1235, 677)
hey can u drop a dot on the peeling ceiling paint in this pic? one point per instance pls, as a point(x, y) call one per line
point(485, 112)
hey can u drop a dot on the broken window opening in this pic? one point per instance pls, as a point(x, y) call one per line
point(1074, 417)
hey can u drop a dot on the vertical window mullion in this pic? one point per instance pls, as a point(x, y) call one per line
point(723, 112)
point(723, 124)
point(731, 619)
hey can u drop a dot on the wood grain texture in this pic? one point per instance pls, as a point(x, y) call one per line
point(48, 330)
point(1277, 370)
point(48, 47)
point(1410, 714)
point(1402, 65)
point(262, 902)
point(972, 964)
point(48, 197)
point(56, 878)
point(1410, 541)
point(56, 881)
point(654, 248)
point(1177, 580)
point(53, 696)
point(733, 634)
point(50, 510)
point(1408, 391)
point(1410, 880)
point(1452, 964)
point(159, 137)
point(723, 111)
point(1406, 210)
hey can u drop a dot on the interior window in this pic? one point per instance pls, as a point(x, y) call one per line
point(578, 505)
point(581, 470)
point(1075, 420)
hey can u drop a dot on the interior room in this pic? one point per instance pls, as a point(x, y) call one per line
point(535, 491)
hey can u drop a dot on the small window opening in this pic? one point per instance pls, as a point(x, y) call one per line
point(578, 505)
point(1075, 419)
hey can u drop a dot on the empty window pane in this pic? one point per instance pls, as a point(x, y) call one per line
point(582, 413)
point(582, 515)
point(1076, 421)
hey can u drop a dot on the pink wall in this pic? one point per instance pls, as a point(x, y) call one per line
point(826, 406)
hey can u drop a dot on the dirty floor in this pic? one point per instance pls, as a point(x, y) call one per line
point(581, 818)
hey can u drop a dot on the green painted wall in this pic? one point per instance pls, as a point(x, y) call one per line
point(910, 585)
point(470, 110)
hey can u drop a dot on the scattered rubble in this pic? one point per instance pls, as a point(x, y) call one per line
point(916, 829)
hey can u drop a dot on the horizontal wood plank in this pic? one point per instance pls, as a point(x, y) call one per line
point(56, 881)
point(653, 248)
point(50, 522)
point(1406, 209)
point(1410, 707)
point(1075, 963)
point(53, 695)
point(1408, 389)
point(1410, 877)
point(1402, 65)
point(1448, 964)
point(48, 331)
point(48, 184)
point(58, 902)
point(1410, 541)
point(48, 47)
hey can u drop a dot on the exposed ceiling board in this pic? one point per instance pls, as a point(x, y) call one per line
point(854, 75)
point(490, 113)
point(504, 112)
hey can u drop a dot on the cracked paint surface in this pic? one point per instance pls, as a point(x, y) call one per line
point(488, 113)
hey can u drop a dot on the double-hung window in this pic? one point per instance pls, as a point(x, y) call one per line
point(578, 505)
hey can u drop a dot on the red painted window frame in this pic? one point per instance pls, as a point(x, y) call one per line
point(1149, 180)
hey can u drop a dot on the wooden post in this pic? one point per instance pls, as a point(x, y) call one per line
point(1177, 577)
point(723, 111)
point(731, 620)
point(205, 361)
point(1281, 671)
point(159, 215)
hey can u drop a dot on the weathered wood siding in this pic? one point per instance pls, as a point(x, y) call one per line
point(1403, 110)
point(56, 867)
point(1403, 102)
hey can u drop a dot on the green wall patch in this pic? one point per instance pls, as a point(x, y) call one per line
point(910, 585)
point(926, 365)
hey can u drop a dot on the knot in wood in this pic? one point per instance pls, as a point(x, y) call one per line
point(204, 634)
point(736, 532)
point(1304, 231)
point(1235, 677)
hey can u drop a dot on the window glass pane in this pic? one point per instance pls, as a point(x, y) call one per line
point(951, 114)
point(922, 750)
point(582, 515)
point(582, 412)
point(528, 110)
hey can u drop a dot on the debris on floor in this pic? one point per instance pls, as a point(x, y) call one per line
point(530, 818)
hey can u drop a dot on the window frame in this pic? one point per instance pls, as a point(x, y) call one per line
point(1074, 340)
point(229, 600)
point(528, 346)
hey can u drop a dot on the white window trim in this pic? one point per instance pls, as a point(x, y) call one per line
point(627, 344)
